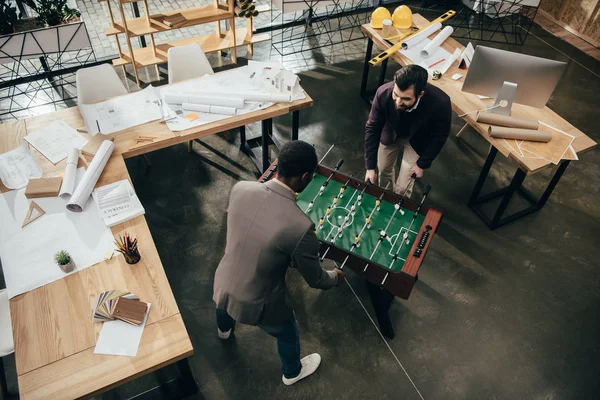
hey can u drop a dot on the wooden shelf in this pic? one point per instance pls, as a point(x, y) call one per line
point(194, 16)
point(210, 43)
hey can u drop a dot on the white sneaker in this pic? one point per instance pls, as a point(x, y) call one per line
point(223, 335)
point(309, 365)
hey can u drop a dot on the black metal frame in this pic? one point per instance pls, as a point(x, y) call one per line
point(365, 94)
point(475, 202)
point(261, 157)
point(51, 73)
point(492, 24)
point(339, 23)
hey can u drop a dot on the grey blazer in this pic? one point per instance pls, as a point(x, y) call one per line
point(266, 231)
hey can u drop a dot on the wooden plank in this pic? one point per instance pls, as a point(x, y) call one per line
point(43, 187)
point(145, 56)
point(87, 374)
point(194, 16)
point(463, 102)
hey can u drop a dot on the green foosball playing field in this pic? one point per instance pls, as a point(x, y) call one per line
point(355, 222)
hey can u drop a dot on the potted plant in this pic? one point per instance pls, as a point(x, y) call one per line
point(54, 12)
point(8, 18)
point(64, 261)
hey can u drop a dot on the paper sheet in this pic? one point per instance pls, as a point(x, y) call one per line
point(421, 36)
point(234, 80)
point(414, 54)
point(27, 253)
point(17, 166)
point(122, 112)
point(88, 182)
point(55, 140)
point(68, 183)
point(555, 149)
point(117, 202)
point(436, 42)
point(120, 338)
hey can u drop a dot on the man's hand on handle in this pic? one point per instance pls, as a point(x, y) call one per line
point(340, 276)
point(371, 176)
point(417, 171)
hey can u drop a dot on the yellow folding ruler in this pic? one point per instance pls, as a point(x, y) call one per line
point(389, 52)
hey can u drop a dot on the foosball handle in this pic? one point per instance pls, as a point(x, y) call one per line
point(339, 164)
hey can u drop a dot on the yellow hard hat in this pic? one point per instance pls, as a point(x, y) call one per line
point(378, 16)
point(402, 17)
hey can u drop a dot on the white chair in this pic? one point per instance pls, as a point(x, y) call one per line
point(187, 62)
point(6, 338)
point(98, 83)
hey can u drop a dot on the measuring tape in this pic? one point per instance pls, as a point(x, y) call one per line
point(389, 52)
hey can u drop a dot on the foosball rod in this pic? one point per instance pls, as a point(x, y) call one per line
point(347, 218)
point(383, 234)
point(357, 238)
point(312, 202)
point(358, 199)
point(405, 237)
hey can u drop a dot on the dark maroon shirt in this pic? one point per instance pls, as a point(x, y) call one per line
point(427, 127)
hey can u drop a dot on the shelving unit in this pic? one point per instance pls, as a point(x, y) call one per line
point(150, 24)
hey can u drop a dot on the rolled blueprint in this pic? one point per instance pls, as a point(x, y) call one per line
point(209, 109)
point(68, 183)
point(519, 134)
point(89, 179)
point(255, 96)
point(436, 42)
point(413, 40)
point(207, 99)
point(174, 98)
point(216, 101)
point(505, 120)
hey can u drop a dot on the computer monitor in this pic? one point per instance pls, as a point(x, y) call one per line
point(511, 77)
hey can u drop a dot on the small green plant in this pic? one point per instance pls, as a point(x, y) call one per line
point(62, 257)
point(8, 17)
point(54, 12)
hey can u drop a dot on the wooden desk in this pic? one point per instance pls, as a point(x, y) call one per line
point(462, 103)
point(53, 331)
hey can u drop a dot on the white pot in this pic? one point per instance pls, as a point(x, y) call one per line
point(69, 267)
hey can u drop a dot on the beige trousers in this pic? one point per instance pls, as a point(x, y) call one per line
point(387, 159)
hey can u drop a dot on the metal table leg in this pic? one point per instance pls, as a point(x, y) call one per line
point(295, 124)
point(498, 219)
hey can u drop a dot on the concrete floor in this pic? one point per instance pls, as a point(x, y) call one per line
point(505, 314)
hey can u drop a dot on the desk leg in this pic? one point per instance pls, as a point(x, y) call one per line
point(3, 386)
point(382, 300)
point(559, 172)
point(515, 183)
point(365, 76)
point(295, 124)
point(382, 72)
point(507, 193)
point(267, 126)
point(242, 137)
point(484, 173)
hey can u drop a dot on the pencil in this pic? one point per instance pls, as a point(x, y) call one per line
point(98, 125)
point(437, 62)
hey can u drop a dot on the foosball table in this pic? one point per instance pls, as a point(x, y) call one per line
point(380, 235)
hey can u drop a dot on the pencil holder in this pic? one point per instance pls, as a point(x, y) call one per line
point(132, 257)
point(128, 247)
